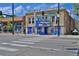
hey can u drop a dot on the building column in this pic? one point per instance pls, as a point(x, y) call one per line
point(22, 29)
point(35, 30)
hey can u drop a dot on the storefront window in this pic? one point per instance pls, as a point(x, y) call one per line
point(17, 26)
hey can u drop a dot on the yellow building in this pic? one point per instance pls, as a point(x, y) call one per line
point(45, 22)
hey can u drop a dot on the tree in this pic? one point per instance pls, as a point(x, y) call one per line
point(76, 9)
point(0, 12)
point(9, 26)
point(1, 16)
point(76, 12)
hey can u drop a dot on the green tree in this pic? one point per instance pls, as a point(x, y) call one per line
point(0, 12)
point(76, 8)
point(9, 25)
point(76, 12)
point(1, 16)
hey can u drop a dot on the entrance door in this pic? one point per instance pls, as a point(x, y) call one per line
point(30, 30)
point(46, 30)
point(57, 30)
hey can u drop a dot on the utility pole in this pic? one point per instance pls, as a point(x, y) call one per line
point(13, 18)
point(58, 18)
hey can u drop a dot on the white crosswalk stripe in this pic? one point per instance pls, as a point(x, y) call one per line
point(8, 46)
point(8, 49)
point(14, 44)
point(23, 42)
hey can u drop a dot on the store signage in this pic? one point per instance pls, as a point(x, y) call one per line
point(51, 14)
point(44, 24)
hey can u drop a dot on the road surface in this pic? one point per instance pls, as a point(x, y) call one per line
point(23, 45)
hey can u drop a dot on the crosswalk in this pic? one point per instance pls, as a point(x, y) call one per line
point(8, 49)
point(23, 42)
point(12, 46)
point(16, 46)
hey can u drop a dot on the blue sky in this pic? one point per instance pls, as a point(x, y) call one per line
point(22, 8)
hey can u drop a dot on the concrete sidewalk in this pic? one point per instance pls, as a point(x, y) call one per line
point(53, 36)
point(67, 36)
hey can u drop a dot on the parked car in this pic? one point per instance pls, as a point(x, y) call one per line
point(75, 32)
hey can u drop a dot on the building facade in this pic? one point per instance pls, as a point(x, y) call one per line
point(6, 24)
point(46, 22)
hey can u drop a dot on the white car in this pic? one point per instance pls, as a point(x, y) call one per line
point(75, 32)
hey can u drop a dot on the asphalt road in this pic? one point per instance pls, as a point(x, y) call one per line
point(22, 45)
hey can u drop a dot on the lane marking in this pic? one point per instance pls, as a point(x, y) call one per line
point(23, 42)
point(12, 44)
point(31, 40)
point(8, 49)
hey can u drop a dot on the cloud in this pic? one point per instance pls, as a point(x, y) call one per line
point(6, 10)
point(56, 5)
point(28, 7)
point(20, 10)
point(41, 7)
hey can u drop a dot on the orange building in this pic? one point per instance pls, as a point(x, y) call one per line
point(18, 24)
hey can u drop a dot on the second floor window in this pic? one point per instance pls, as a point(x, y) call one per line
point(53, 18)
point(32, 19)
point(29, 20)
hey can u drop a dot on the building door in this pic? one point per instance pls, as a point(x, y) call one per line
point(57, 30)
point(39, 30)
point(45, 30)
point(52, 30)
point(30, 30)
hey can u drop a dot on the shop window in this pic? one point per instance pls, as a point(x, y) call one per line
point(39, 18)
point(46, 18)
point(17, 28)
point(53, 17)
point(57, 20)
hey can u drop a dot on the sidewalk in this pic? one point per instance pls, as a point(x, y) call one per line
point(53, 36)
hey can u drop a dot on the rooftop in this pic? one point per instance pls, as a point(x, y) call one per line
point(16, 19)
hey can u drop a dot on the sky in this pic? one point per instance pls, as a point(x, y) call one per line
point(20, 9)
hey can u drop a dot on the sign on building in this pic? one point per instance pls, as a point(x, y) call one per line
point(44, 24)
point(51, 14)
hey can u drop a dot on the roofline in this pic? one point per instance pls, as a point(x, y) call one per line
point(45, 10)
